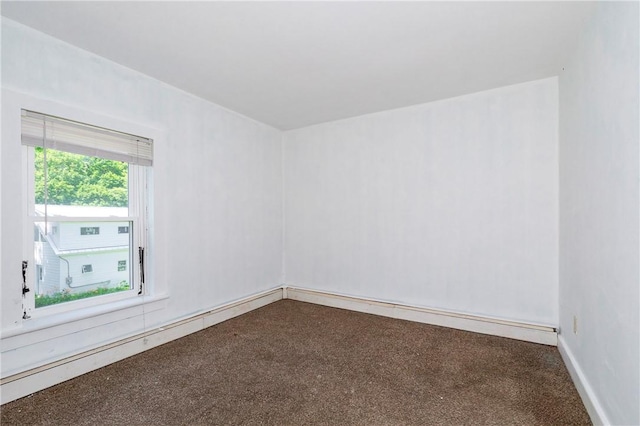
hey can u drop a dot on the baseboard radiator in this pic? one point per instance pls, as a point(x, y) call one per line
point(36, 379)
point(497, 327)
point(42, 377)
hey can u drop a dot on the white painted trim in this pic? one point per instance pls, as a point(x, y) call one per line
point(515, 330)
point(30, 381)
point(35, 379)
point(283, 259)
point(589, 398)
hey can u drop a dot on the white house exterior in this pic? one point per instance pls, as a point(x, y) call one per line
point(78, 256)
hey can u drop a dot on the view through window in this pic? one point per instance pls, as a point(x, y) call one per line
point(86, 199)
point(81, 197)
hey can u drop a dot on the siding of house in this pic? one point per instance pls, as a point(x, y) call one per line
point(51, 271)
point(102, 251)
point(104, 270)
point(70, 237)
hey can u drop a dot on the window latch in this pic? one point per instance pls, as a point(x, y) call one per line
point(25, 289)
point(141, 260)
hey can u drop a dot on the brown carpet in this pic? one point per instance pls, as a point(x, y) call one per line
point(298, 363)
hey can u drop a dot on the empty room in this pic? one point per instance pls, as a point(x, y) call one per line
point(329, 213)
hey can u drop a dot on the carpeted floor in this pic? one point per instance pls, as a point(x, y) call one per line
point(297, 363)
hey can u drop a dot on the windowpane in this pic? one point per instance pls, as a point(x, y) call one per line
point(67, 182)
point(71, 266)
point(87, 194)
point(89, 230)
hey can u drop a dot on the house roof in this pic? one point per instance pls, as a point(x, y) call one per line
point(81, 211)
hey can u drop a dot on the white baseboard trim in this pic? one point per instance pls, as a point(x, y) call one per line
point(589, 399)
point(39, 378)
point(35, 379)
point(515, 330)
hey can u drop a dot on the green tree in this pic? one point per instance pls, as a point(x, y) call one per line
point(75, 180)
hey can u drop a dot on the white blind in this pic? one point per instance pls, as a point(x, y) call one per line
point(70, 136)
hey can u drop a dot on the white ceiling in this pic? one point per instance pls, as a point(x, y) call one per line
point(292, 64)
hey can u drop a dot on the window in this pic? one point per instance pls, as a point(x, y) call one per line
point(89, 230)
point(93, 179)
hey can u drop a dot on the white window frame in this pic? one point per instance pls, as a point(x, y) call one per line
point(157, 294)
point(138, 217)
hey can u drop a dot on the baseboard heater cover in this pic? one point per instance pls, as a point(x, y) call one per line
point(35, 379)
point(27, 382)
point(535, 333)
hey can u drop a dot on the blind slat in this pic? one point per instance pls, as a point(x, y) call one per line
point(79, 138)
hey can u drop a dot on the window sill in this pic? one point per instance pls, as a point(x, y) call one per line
point(147, 303)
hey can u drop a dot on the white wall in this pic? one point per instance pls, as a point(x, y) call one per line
point(217, 196)
point(599, 240)
point(451, 204)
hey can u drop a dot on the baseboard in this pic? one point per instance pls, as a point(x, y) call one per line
point(515, 330)
point(33, 380)
point(589, 399)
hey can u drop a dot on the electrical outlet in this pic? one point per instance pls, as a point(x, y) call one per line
point(575, 324)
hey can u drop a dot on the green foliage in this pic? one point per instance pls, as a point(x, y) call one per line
point(61, 297)
point(79, 180)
